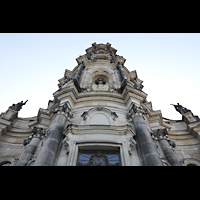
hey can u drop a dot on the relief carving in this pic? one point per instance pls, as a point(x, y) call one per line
point(162, 134)
point(65, 142)
point(63, 109)
point(86, 113)
point(136, 110)
point(36, 132)
point(179, 108)
point(132, 143)
point(136, 84)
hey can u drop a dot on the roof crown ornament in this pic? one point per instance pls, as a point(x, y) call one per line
point(101, 51)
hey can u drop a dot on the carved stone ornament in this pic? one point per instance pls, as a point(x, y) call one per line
point(78, 74)
point(136, 110)
point(136, 84)
point(36, 132)
point(179, 108)
point(63, 109)
point(162, 134)
point(100, 81)
point(86, 113)
point(99, 159)
point(101, 51)
point(18, 106)
point(132, 143)
point(122, 73)
point(66, 80)
point(65, 142)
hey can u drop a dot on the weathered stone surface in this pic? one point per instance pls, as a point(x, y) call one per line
point(148, 149)
point(28, 152)
point(169, 154)
point(99, 105)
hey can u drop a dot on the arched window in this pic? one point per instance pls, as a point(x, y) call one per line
point(6, 163)
point(191, 164)
point(99, 157)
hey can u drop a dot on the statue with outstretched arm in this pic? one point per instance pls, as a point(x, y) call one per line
point(18, 106)
point(179, 108)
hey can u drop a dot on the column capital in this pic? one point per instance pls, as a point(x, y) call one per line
point(162, 134)
point(63, 109)
point(136, 110)
point(36, 133)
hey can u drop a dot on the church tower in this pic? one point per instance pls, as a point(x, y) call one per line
point(99, 117)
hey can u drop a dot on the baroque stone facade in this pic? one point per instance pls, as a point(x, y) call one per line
point(99, 117)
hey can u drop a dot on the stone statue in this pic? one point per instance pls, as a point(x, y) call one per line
point(179, 108)
point(18, 106)
point(100, 81)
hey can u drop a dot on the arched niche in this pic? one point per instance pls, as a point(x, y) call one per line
point(190, 162)
point(6, 160)
point(99, 116)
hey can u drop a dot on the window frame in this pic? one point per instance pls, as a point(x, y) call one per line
point(73, 159)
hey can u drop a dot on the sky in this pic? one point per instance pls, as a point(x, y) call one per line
point(168, 63)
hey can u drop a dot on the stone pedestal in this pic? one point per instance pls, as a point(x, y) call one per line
point(10, 115)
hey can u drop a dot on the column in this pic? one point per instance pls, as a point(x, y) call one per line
point(32, 143)
point(165, 143)
point(77, 76)
point(148, 148)
point(50, 146)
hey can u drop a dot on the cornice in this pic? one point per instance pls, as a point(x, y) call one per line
point(71, 92)
point(99, 129)
point(155, 115)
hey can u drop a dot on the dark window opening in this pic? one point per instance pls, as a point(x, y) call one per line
point(191, 164)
